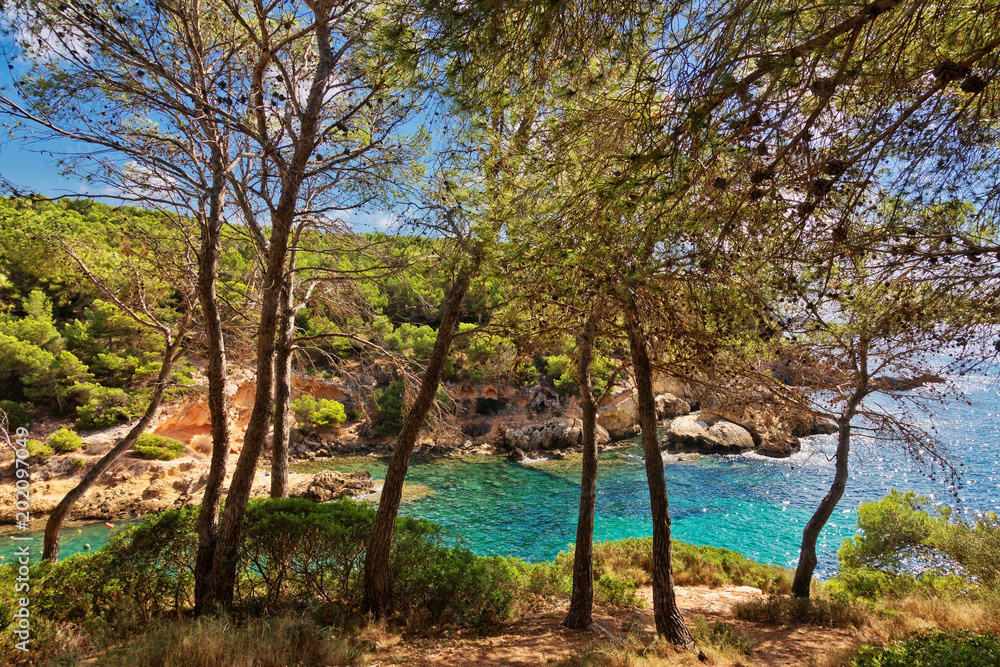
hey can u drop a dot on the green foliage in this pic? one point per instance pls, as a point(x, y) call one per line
point(413, 341)
point(324, 412)
point(869, 584)
point(388, 403)
point(722, 635)
point(78, 463)
point(39, 451)
point(37, 327)
point(65, 440)
point(615, 592)
point(297, 549)
point(157, 448)
point(906, 525)
point(560, 368)
point(17, 414)
point(632, 560)
point(957, 648)
point(144, 571)
point(40, 374)
point(99, 407)
point(891, 529)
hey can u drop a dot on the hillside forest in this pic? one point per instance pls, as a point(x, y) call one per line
point(523, 226)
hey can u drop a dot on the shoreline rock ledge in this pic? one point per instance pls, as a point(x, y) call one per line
point(688, 433)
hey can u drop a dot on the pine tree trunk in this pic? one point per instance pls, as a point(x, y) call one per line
point(222, 578)
point(208, 264)
point(378, 577)
point(283, 395)
point(582, 599)
point(53, 527)
point(669, 623)
point(807, 553)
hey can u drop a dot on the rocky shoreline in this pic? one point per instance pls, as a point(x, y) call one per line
point(532, 424)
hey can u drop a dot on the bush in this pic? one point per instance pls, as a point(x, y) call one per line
point(17, 414)
point(324, 412)
point(783, 609)
point(65, 440)
point(157, 448)
point(39, 451)
point(934, 649)
point(78, 463)
point(723, 636)
point(389, 408)
point(632, 559)
point(868, 584)
point(904, 531)
point(616, 592)
point(99, 407)
point(143, 571)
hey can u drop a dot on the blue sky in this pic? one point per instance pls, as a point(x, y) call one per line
point(32, 171)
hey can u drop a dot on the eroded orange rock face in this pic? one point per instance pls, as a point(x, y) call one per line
point(190, 422)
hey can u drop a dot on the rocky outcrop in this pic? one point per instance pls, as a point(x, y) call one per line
point(689, 434)
point(619, 415)
point(809, 425)
point(669, 406)
point(547, 436)
point(331, 485)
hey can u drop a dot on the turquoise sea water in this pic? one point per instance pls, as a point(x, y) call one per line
point(752, 504)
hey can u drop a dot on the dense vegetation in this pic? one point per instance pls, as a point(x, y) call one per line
point(781, 204)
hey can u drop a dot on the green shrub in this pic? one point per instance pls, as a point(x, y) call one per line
point(388, 402)
point(723, 636)
point(157, 448)
point(65, 440)
point(893, 528)
point(957, 648)
point(868, 584)
point(324, 412)
point(902, 527)
point(99, 407)
point(616, 592)
point(39, 451)
point(78, 463)
point(295, 548)
point(632, 559)
point(17, 414)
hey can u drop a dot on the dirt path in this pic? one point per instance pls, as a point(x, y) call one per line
point(540, 638)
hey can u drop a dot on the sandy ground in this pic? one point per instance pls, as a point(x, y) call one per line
point(540, 638)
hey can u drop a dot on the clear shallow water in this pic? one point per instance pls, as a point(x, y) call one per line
point(752, 504)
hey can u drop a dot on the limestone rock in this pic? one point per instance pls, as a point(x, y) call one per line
point(330, 485)
point(688, 433)
point(669, 406)
point(619, 415)
point(516, 455)
point(809, 425)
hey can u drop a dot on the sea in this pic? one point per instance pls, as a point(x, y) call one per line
point(749, 503)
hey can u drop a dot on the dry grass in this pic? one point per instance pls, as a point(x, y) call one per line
point(275, 642)
point(631, 560)
point(896, 618)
